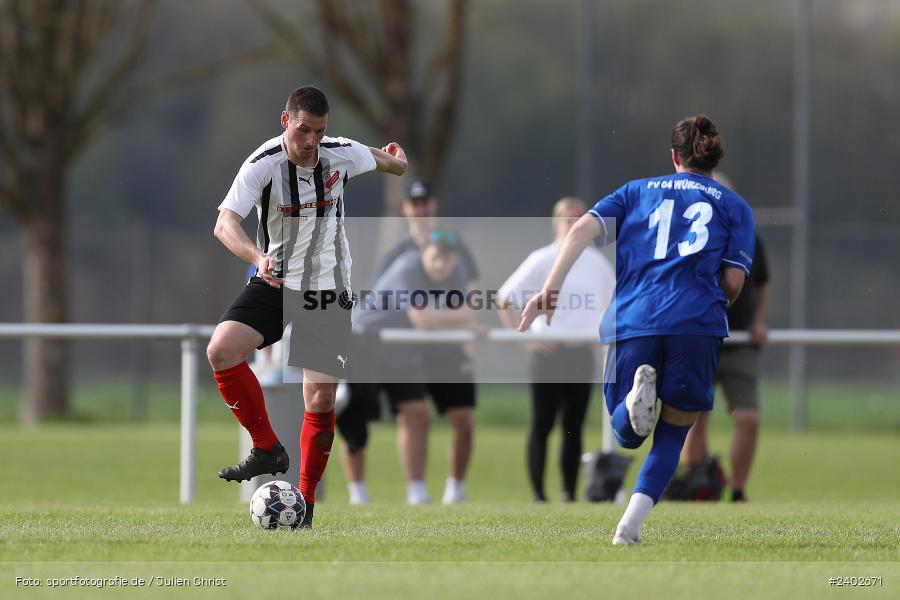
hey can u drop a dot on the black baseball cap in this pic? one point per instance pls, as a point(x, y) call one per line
point(419, 189)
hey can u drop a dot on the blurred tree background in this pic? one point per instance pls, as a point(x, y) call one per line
point(141, 200)
point(57, 87)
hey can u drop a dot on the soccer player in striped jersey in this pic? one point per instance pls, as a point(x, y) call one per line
point(684, 244)
point(296, 182)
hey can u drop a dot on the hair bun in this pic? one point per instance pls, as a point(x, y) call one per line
point(703, 125)
point(697, 142)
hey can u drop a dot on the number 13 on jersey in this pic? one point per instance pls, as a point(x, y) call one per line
point(699, 213)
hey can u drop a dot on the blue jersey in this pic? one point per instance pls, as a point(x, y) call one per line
point(673, 235)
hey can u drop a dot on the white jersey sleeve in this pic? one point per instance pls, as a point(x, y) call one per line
point(358, 155)
point(246, 190)
point(526, 280)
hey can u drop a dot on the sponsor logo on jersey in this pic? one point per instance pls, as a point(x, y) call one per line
point(317, 204)
point(333, 178)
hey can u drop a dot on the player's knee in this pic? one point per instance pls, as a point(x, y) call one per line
point(321, 399)
point(221, 356)
point(747, 420)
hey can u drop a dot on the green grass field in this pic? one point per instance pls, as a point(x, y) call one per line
point(838, 405)
point(100, 501)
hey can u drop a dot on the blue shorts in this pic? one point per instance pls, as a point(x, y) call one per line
point(685, 369)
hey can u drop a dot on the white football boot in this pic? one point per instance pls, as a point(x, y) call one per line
point(623, 537)
point(641, 401)
point(628, 531)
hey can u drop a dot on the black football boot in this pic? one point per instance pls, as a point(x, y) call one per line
point(259, 462)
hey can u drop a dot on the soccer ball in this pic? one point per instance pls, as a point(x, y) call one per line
point(277, 505)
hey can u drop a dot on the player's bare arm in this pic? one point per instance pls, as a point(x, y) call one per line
point(731, 280)
point(228, 230)
point(759, 333)
point(544, 302)
point(390, 159)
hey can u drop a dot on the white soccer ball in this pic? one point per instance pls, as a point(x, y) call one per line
point(277, 504)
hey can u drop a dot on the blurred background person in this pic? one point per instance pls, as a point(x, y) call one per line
point(420, 207)
point(738, 376)
point(358, 404)
point(362, 403)
point(404, 298)
point(561, 373)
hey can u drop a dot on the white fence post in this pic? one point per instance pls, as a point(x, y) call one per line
point(189, 361)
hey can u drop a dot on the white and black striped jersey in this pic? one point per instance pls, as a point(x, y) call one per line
point(301, 209)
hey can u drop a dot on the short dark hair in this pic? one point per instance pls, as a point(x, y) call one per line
point(309, 99)
point(697, 142)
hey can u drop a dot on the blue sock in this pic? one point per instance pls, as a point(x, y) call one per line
point(621, 426)
point(659, 467)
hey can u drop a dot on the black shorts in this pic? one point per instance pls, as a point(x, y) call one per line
point(444, 396)
point(364, 405)
point(452, 395)
point(320, 336)
point(444, 373)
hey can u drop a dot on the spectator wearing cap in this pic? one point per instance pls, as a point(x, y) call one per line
point(407, 374)
point(420, 207)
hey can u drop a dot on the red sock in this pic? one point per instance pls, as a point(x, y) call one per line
point(242, 393)
point(316, 436)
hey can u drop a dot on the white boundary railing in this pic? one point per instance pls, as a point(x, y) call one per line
point(806, 337)
point(191, 335)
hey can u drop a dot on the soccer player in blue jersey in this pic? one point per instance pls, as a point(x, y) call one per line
point(684, 244)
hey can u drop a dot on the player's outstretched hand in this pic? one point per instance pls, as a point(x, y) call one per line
point(542, 303)
point(266, 268)
point(390, 159)
point(395, 150)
